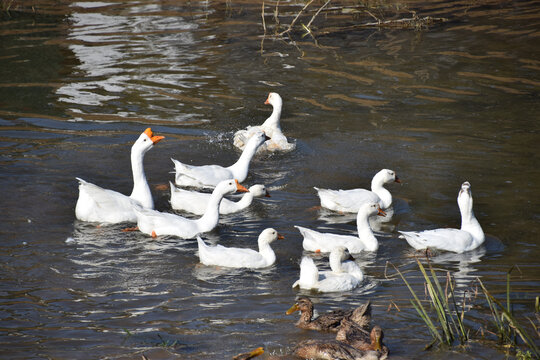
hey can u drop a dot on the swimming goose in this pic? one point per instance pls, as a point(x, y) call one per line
point(329, 321)
point(107, 206)
point(240, 257)
point(272, 128)
point(350, 200)
point(365, 241)
point(344, 275)
point(197, 202)
point(157, 223)
point(211, 175)
point(469, 237)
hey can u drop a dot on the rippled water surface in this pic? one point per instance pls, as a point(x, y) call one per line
point(80, 80)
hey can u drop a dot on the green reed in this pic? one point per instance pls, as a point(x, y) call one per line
point(449, 324)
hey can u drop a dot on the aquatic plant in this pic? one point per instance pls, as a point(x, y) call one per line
point(449, 324)
point(449, 317)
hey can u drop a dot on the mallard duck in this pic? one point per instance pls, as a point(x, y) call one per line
point(355, 335)
point(351, 200)
point(272, 128)
point(469, 237)
point(157, 223)
point(196, 202)
point(332, 350)
point(239, 257)
point(249, 355)
point(107, 206)
point(208, 176)
point(365, 241)
point(329, 321)
point(344, 275)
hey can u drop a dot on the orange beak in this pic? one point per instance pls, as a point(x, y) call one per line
point(281, 237)
point(267, 194)
point(239, 187)
point(381, 213)
point(150, 134)
point(258, 351)
point(397, 180)
point(267, 102)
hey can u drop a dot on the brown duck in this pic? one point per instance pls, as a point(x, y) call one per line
point(355, 336)
point(331, 320)
point(332, 350)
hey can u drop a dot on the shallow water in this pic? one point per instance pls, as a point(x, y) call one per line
point(80, 81)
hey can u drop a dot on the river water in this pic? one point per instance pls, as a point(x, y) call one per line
point(79, 81)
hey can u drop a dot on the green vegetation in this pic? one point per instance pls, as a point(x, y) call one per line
point(449, 326)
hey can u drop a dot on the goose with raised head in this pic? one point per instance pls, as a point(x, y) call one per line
point(196, 202)
point(157, 223)
point(241, 257)
point(345, 275)
point(329, 321)
point(272, 128)
point(351, 200)
point(208, 176)
point(468, 237)
point(365, 241)
point(97, 204)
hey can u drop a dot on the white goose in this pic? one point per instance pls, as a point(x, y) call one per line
point(344, 276)
point(157, 223)
point(196, 202)
point(211, 175)
point(107, 206)
point(238, 257)
point(469, 237)
point(350, 200)
point(326, 242)
point(272, 128)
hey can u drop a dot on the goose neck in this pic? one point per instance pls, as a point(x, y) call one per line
point(211, 216)
point(365, 234)
point(141, 190)
point(273, 119)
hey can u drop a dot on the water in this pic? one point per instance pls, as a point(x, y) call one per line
point(80, 81)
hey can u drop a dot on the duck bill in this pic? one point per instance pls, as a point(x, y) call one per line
point(293, 309)
point(377, 345)
point(239, 187)
point(398, 180)
point(258, 351)
point(280, 237)
point(381, 212)
point(267, 194)
point(267, 102)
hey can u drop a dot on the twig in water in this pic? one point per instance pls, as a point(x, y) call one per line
point(296, 18)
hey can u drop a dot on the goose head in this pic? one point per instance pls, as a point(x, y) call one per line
point(268, 236)
point(256, 140)
point(371, 208)
point(259, 191)
point(338, 255)
point(465, 201)
point(386, 176)
point(146, 141)
point(274, 99)
point(229, 187)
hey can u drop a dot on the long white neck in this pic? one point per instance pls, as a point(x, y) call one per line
point(266, 251)
point(469, 222)
point(273, 121)
point(245, 201)
point(365, 234)
point(335, 262)
point(210, 218)
point(141, 190)
point(241, 167)
point(378, 188)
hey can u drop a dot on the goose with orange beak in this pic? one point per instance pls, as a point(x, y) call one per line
point(101, 205)
point(157, 223)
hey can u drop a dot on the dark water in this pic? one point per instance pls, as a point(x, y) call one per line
point(79, 81)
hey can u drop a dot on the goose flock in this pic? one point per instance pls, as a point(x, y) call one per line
point(105, 206)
